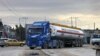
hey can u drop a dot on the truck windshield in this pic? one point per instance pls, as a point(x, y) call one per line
point(96, 36)
point(35, 30)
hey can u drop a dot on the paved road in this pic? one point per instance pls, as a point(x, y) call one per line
point(25, 51)
point(11, 51)
point(20, 51)
point(76, 51)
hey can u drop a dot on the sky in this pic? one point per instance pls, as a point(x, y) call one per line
point(85, 12)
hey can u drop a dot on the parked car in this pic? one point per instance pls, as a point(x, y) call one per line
point(3, 42)
point(14, 42)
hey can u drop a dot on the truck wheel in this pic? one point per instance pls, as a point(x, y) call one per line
point(2, 45)
point(31, 47)
point(81, 43)
point(58, 44)
point(73, 43)
point(61, 44)
point(6, 45)
point(21, 45)
point(76, 43)
point(45, 46)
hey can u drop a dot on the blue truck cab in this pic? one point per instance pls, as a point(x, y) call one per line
point(38, 34)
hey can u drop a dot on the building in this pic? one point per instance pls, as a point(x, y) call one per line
point(89, 33)
point(1, 29)
point(7, 31)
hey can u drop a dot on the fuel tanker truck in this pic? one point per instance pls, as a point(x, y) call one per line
point(52, 35)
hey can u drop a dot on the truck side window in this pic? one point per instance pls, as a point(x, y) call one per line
point(50, 30)
point(96, 36)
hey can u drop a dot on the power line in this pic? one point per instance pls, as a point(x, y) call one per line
point(13, 8)
point(9, 8)
point(25, 18)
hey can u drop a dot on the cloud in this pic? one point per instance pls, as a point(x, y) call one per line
point(51, 6)
point(52, 9)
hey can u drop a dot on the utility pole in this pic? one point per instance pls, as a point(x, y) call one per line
point(94, 25)
point(19, 22)
point(75, 21)
point(71, 22)
point(25, 18)
point(45, 18)
point(19, 30)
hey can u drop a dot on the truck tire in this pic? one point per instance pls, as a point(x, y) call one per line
point(31, 47)
point(61, 44)
point(58, 44)
point(21, 45)
point(72, 43)
point(6, 45)
point(76, 43)
point(45, 45)
point(81, 43)
point(2, 45)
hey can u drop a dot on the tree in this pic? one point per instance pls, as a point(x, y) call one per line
point(20, 32)
point(97, 29)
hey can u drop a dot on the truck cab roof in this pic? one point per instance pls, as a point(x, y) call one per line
point(41, 23)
